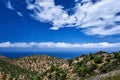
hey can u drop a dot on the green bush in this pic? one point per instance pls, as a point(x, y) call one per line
point(92, 56)
point(86, 59)
point(98, 60)
point(82, 71)
point(117, 55)
point(108, 59)
point(94, 66)
point(70, 61)
point(107, 67)
point(59, 73)
point(80, 63)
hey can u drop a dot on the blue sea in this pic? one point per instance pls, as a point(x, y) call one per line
point(64, 55)
point(59, 54)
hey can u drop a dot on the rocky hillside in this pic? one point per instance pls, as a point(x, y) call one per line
point(9, 71)
point(96, 66)
point(39, 63)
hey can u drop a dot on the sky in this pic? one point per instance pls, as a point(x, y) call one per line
point(59, 25)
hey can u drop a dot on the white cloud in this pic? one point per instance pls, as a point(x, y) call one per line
point(58, 45)
point(89, 16)
point(92, 18)
point(101, 31)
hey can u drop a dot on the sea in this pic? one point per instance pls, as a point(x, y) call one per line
point(59, 54)
point(64, 55)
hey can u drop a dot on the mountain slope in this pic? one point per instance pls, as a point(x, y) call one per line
point(39, 63)
point(98, 66)
point(9, 71)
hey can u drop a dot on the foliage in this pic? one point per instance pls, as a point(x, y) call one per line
point(70, 61)
point(98, 60)
point(55, 73)
point(117, 55)
point(108, 59)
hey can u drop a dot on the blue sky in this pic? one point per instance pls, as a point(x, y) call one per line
point(59, 25)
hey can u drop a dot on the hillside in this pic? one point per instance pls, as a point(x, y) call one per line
point(9, 71)
point(97, 66)
point(39, 63)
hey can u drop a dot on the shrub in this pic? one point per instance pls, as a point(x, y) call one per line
point(58, 73)
point(94, 66)
point(86, 59)
point(92, 56)
point(98, 60)
point(80, 63)
point(117, 55)
point(108, 59)
point(82, 71)
point(85, 70)
point(70, 61)
point(107, 67)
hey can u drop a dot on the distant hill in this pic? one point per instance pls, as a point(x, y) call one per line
point(97, 66)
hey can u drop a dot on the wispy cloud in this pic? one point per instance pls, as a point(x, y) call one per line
point(93, 17)
point(9, 6)
point(59, 45)
point(19, 13)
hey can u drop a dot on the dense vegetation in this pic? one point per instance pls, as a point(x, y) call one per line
point(36, 67)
